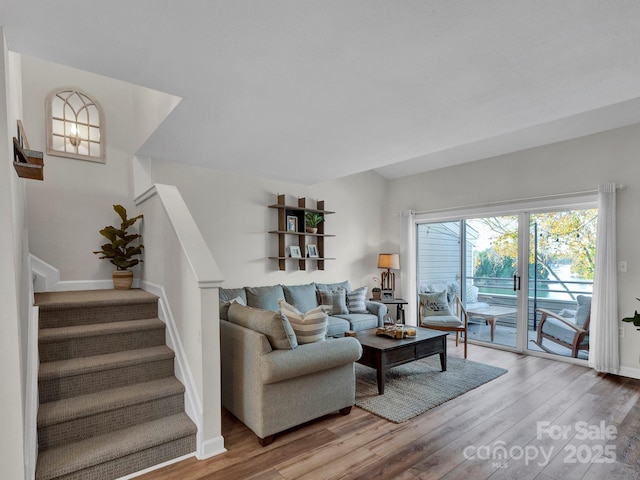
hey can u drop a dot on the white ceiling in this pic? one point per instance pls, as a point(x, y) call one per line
point(311, 90)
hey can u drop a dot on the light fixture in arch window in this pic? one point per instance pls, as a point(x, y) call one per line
point(75, 125)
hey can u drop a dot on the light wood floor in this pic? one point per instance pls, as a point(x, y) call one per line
point(504, 412)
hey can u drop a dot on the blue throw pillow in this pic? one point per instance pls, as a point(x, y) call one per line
point(265, 298)
point(303, 297)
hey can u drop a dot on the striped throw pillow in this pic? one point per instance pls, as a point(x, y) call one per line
point(356, 299)
point(309, 327)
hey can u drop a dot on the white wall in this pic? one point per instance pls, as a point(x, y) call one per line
point(570, 166)
point(231, 212)
point(14, 278)
point(74, 201)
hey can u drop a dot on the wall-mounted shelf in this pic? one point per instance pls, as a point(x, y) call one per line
point(28, 163)
point(298, 234)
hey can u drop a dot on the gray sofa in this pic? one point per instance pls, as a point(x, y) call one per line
point(304, 298)
point(272, 386)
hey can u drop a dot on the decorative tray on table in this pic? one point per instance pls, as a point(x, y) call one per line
point(386, 332)
point(391, 332)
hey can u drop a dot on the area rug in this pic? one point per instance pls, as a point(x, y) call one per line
point(414, 388)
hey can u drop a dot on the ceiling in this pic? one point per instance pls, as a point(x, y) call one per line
point(312, 90)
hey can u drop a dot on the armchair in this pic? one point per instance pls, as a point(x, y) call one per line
point(570, 332)
point(434, 312)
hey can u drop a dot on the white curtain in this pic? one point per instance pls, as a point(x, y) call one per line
point(408, 264)
point(604, 353)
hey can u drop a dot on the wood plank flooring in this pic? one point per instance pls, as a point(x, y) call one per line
point(461, 439)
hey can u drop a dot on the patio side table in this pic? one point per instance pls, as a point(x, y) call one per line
point(398, 302)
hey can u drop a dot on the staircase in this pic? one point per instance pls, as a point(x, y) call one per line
point(110, 404)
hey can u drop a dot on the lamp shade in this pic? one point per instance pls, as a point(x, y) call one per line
point(389, 260)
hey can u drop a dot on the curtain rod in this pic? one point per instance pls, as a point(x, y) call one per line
point(619, 186)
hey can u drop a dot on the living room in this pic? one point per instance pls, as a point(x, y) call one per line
point(230, 208)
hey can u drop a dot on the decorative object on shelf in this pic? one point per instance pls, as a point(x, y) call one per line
point(294, 251)
point(386, 294)
point(389, 261)
point(312, 220)
point(635, 319)
point(28, 163)
point(312, 251)
point(119, 250)
point(376, 291)
point(75, 125)
point(291, 226)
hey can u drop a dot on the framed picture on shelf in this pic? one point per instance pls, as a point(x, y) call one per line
point(387, 294)
point(292, 223)
point(294, 252)
point(312, 251)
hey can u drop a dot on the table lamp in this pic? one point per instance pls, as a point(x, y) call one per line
point(388, 278)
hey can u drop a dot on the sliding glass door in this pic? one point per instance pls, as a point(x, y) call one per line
point(562, 263)
point(476, 259)
point(509, 269)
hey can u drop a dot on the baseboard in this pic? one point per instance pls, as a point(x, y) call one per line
point(45, 276)
point(211, 448)
point(629, 372)
point(31, 397)
point(156, 467)
point(68, 285)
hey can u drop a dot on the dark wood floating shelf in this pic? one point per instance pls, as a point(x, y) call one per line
point(297, 213)
point(28, 163)
point(284, 232)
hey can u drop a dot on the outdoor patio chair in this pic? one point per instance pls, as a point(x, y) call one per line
point(570, 332)
point(434, 312)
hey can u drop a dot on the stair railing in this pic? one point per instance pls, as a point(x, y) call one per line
point(179, 268)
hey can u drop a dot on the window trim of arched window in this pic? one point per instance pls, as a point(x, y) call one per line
point(75, 125)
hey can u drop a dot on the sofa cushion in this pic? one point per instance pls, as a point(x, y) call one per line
point(226, 294)
point(273, 325)
point(224, 306)
point(334, 286)
point(265, 298)
point(334, 300)
point(360, 321)
point(337, 326)
point(309, 327)
point(356, 299)
point(303, 297)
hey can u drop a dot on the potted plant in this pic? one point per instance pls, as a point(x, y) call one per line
point(312, 220)
point(119, 250)
point(635, 319)
point(376, 292)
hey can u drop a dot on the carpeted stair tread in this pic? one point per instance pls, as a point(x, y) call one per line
point(46, 300)
point(90, 404)
point(63, 333)
point(96, 363)
point(104, 448)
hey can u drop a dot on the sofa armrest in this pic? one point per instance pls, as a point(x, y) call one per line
point(378, 309)
point(310, 358)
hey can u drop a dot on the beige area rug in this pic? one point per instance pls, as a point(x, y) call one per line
point(416, 387)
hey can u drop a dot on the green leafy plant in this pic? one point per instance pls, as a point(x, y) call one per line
point(119, 250)
point(635, 319)
point(313, 219)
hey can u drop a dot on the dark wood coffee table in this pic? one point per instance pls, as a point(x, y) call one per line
point(382, 352)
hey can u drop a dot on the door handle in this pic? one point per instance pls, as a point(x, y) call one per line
point(516, 282)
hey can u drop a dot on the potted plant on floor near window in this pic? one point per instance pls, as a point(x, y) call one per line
point(119, 250)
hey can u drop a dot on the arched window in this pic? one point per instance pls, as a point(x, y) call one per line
point(75, 125)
